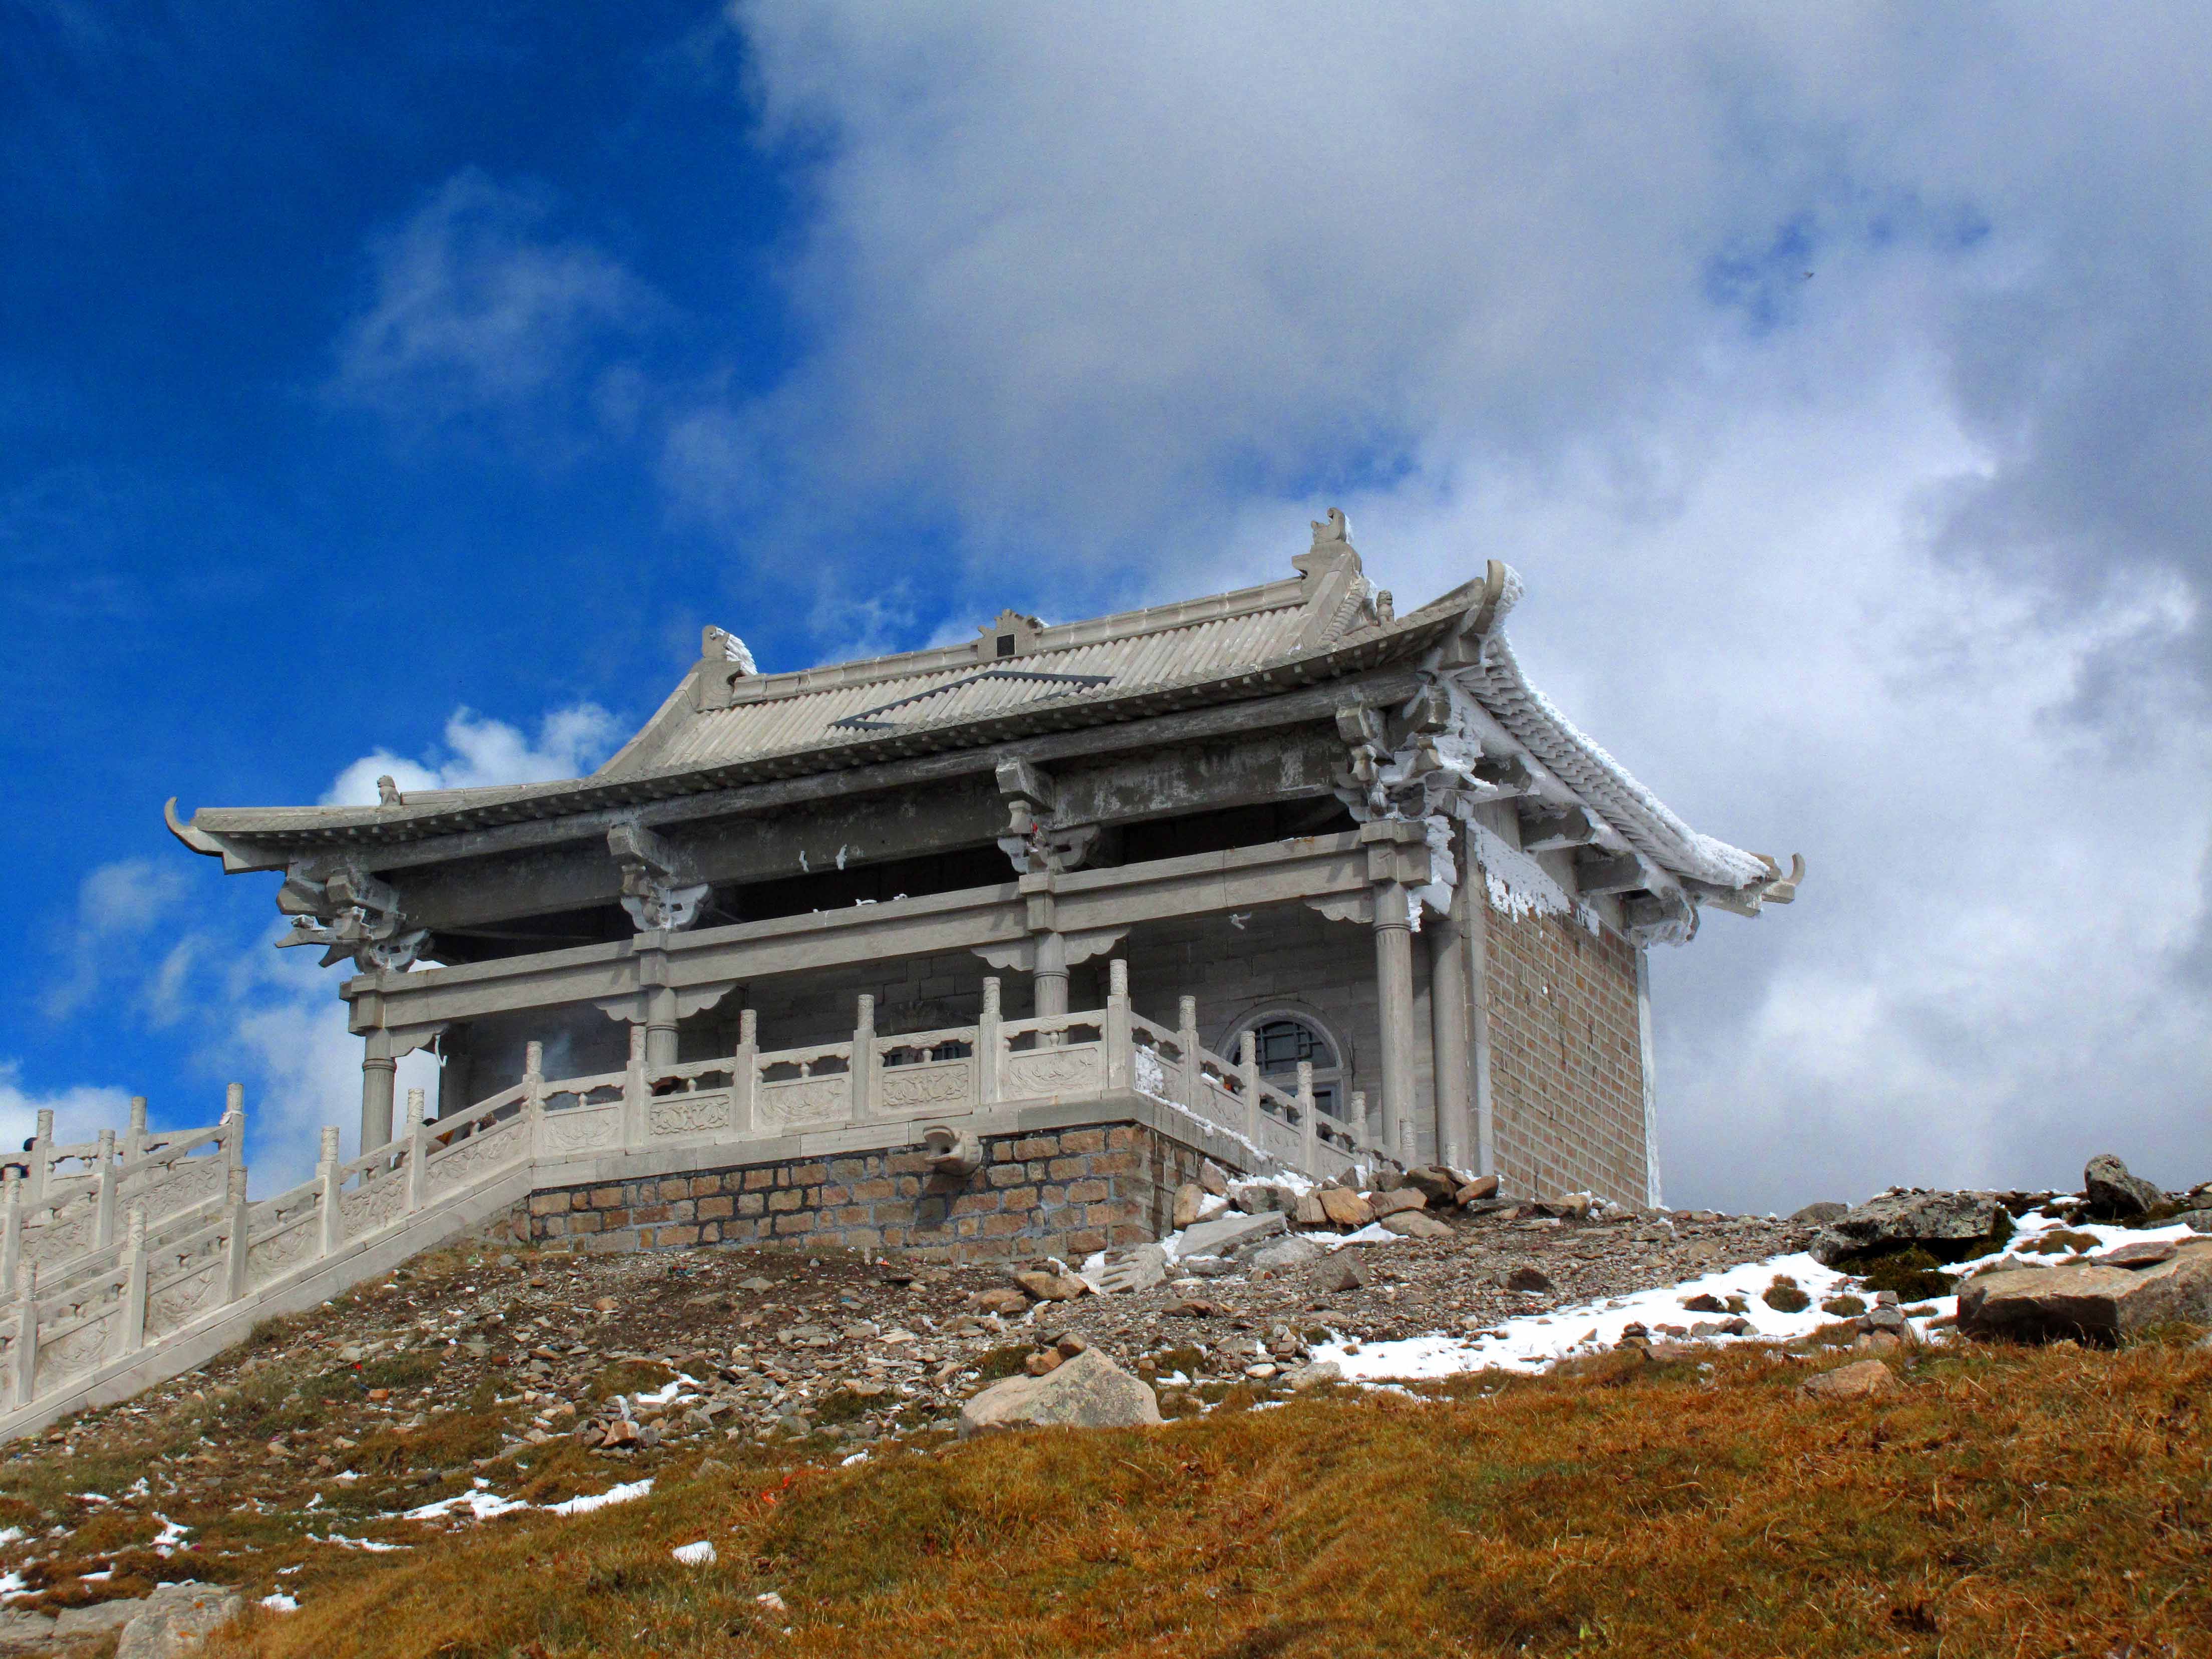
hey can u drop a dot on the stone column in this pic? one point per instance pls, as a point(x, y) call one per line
point(1448, 1028)
point(659, 1027)
point(1648, 1055)
point(379, 1072)
point(659, 998)
point(1397, 861)
point(1393, 984)
point(1051, 975)
point(1474, 922)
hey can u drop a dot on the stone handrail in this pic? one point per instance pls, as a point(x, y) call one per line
point(175, 1266)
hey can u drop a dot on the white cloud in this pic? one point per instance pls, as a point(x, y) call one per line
point(474, 312)
point(1979, 983)
point(1834, 377)
point(117, 903)
point(80, 1114)
point(479, 751)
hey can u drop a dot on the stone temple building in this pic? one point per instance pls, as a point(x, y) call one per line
point(972, 953)
point(1360, 839)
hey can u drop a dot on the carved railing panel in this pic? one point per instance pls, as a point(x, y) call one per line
point(704, 1112)
point(479, 1155)
point(581, 1129)
point(795, 1102)
point(270, 1256)
point(1036, 1073)
point(371, 1208)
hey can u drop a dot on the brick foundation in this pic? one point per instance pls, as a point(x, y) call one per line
point(1064, 1193)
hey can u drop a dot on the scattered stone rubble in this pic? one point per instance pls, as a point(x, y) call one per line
point(624, 1361)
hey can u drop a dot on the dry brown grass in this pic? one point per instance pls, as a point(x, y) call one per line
point(2007, 1503)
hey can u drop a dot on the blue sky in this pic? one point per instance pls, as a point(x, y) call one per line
point(405, 389)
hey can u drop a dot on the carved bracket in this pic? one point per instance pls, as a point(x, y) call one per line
point(1033, 844)
point(1347, 907)
point(655, 890)
point(1020, 956)
point(354, 917)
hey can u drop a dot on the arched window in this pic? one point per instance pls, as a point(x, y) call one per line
point(1280, 1040)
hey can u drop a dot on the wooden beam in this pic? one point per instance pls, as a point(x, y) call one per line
point(1621, 873)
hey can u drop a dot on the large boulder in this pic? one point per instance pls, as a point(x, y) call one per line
point(1821, 1213)
point(1279, 1255)
point(1393, 1203)
point(1416, 1224)
point(1225, 1233)
point(175, 1617)
point(1949, 1226)
point(1345, 1208)
point(1865, 1379)
point(2113, 1192)
point(1088, 1391)
point(2088, 1300)
point(1435, 1183)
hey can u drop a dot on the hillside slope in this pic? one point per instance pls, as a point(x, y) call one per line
point(2049, 1501)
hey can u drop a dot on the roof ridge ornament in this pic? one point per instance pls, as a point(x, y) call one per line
point(1014, 635)
point(719, 645)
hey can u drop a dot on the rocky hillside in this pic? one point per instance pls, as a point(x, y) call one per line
point(478, 1392)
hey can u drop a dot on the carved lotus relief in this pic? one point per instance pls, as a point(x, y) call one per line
point(805, 1100)
point(903, 1087)
point(1051, 1072)
point(689, 1115)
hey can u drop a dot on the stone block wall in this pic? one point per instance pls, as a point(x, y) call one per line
point(1063, 1193)
point(1566, 1060)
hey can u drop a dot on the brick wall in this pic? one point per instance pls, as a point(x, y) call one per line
point(1566, 1069)
point(1062, 1193)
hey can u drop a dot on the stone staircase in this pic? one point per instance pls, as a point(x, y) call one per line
point(134, 1259)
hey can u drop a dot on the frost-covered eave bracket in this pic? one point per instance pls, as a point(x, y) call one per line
point(1478, 732)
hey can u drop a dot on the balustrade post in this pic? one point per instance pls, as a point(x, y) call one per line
point(240, 1240)
point(987, 1044)
point(1361, 1137)
point(1309, 1129)
point(234, 1126)
point(11, 1224)
point(104, 1201)
point(327, 1172)
point(134, 1139)
point(41, 1158)
point(1194, 1066)
point(1247, 1077)
point(745, 1073)
point(130, 1332)
point(24, 1350)
point(637, 1107)
point(418, 1145)
point(533, 1094)
point(862, 1073)
point(1118, 1058)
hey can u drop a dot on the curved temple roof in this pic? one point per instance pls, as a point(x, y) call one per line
point(724, 725)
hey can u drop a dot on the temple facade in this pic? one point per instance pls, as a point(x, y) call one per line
point(1280, 869)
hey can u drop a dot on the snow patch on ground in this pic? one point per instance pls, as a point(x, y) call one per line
point(630, 1492)
point(1533, 1342)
